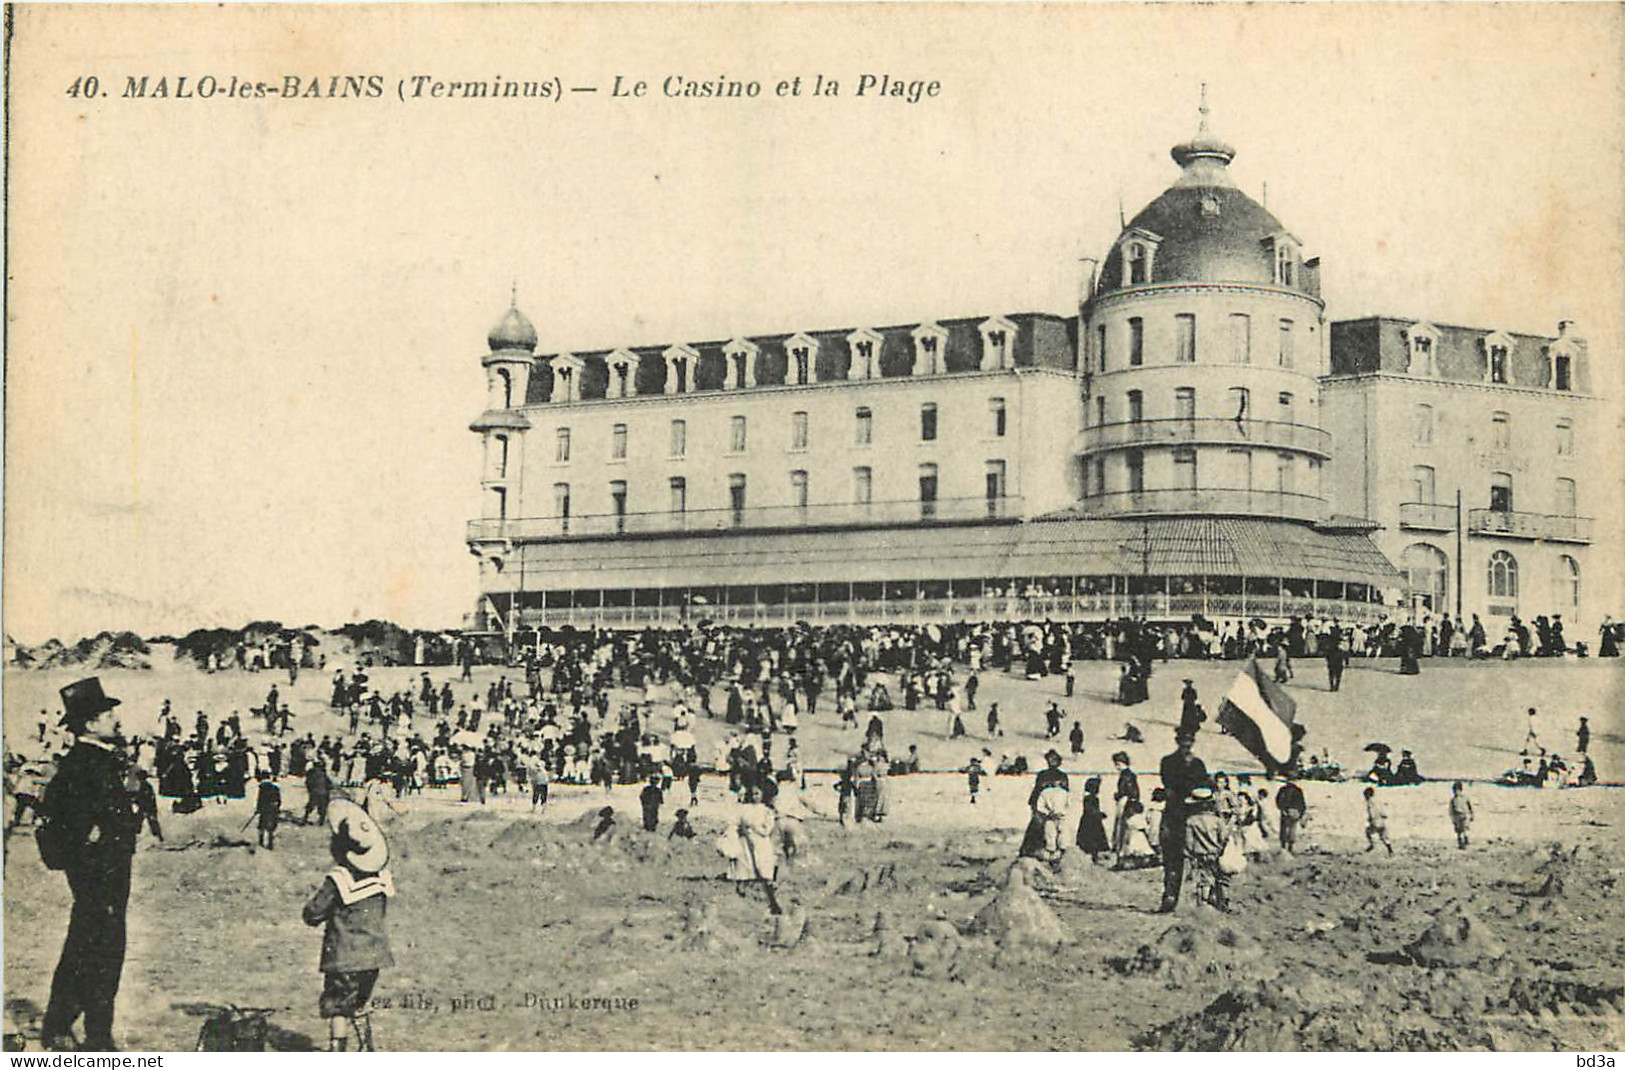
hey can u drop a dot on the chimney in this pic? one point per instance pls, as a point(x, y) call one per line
point(1565, 328)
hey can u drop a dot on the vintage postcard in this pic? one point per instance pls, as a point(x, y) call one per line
point(918, 527)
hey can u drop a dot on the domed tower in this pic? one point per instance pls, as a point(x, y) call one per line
point(501, 426)
point(1201, 345)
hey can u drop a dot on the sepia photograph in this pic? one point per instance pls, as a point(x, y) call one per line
point(787, 527)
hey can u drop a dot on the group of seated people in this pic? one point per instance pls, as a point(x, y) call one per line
point(1384, 774)
point(1552, 771)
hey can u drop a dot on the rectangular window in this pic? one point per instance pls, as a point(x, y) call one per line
point(679, 438)
point(994, 480)
point(1561, 372)
point(679, 494)
point(862, 485)
point(1565, 438)
point(1185, 403)
point(1136, 406)
point(865, 432)
point(1241, 338)
point(500, 460)
point(1424, 425)
point(1500, 431)
point(736, 497)
point(1283, 473)
point(1567, 502)
point(561, 500)
point(1099, 481)
point(1136, 342)
point(798, 489)
point(1100, 410)
point(1284, 356)
point(1498, 364)
point(928, 490)
point(617, 501)
point(1185, 469)
point(1100, 346)
point(928, 422)
point(995, 411)
point(1501, 492)
point(1285, 401)
point(737, 442)
point(617, 443)
point(1422, 484)
point(1134, 462)
point(1185, 339)
point(798, 430)
point(561, 446)
point(1241, 465)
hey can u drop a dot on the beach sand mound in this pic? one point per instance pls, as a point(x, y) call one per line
point(1457, 938)
point(935, 951)
point(1190, 950)
point(1017, 916)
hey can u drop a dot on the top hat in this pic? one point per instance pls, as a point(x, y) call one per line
point(1182, 735)
point(1052, 755)
point(83, 701)
point(361, 842)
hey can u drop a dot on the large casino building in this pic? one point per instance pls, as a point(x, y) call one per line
point(1196, 440)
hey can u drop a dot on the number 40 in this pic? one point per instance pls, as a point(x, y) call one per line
point(89, 86)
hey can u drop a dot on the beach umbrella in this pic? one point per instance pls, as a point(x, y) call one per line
point(1377, 748)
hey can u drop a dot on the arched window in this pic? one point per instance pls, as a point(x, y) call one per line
point(505, 383)
point(1566, 585)
point(1427, 576)
point(1503, 575)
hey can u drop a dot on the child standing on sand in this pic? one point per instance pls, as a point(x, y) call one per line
point(973, 775)
point(1461, 813)
point(351, 904)
point(1376, 822)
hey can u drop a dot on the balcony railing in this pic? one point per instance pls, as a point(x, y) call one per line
point(1427, 516)
point(1208, 500)
point(755, 518)
point(1529, 525)
point(1268, 434)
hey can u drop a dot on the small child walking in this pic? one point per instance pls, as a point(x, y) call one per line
point(1376, 822)
point(1461, 813)
point(973, 774)
point(351, 904)
point(268, 810)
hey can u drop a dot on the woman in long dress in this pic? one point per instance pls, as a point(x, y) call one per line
point(755, 858)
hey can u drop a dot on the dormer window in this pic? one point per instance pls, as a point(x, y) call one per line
point(865, 347)
point(741, 354)
point(930, 349)
point(567, 378)
point(998, 344)
point(1139, 253)
point(1283, 249)
point(623, 374)
point(1563, 355)
point(1421, 356)
point(1497, 357)
point(681, 363)
point(803, 355)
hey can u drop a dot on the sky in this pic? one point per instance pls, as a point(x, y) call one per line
point(243, 336)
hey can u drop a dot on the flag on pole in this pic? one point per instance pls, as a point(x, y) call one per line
point(1259, 713)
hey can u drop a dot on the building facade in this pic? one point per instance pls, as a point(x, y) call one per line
point(1428, 415)
point(1195, 441)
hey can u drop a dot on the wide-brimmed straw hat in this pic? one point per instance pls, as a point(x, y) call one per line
point(360, 842)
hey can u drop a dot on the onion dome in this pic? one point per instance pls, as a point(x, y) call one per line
point(513, 331)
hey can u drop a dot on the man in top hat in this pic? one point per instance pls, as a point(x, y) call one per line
point(1181, 772)
point(91, 838)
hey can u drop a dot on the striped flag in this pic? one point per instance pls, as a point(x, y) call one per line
point(1259, 713)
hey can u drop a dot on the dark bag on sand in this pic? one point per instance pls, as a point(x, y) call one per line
point(234, 1029)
